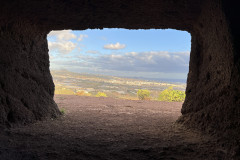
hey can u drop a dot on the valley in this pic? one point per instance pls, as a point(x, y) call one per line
point(71, 83)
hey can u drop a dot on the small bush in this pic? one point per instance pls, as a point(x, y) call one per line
point(101, 94)
point(63, 90)
point(171, 95)
point(143, 94)
point(62, 110)
point(83, 93)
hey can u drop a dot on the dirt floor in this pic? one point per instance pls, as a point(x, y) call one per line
point(109, 129)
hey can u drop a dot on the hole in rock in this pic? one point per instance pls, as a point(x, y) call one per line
point(120, 64)
point(118, 84)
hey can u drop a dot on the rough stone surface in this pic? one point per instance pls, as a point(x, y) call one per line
point(104, 128)
point(213, 93)
point(213, 90)
point(26, 86)
point(84, 14)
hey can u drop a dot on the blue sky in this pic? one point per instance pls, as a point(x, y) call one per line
point(162, 54)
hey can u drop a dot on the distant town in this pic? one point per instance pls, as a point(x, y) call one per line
point(67, 82)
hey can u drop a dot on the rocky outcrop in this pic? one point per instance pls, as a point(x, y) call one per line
point(213, 89)
point(26, 86)
point(85, 14)
point(213, 93)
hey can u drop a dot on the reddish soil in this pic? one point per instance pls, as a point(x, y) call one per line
point(109, 129)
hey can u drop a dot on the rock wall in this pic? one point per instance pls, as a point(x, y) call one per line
point(213, 91)
point(26, 86)
point(85, 14)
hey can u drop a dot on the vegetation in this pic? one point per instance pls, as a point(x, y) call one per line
point(143, 94)
point(124, 88)
point(83, 93)
point(62, 110)
point(171, 95)
point(101, 94)
point(168, 94)
point(62, 90)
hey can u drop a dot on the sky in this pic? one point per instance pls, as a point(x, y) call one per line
point(153, 54)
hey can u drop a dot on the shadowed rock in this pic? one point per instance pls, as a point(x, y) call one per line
point(213, 91)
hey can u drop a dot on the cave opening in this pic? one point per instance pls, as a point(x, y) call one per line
point(27, 90)
point(84, 63)
point(119, 62)
point(98, 75)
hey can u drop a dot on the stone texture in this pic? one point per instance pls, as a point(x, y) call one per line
point(213, 90)
point(213, 93)
point(26, 86)
point(25, 81)
point(84, 14)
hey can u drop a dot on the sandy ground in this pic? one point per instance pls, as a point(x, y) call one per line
point(109, 129)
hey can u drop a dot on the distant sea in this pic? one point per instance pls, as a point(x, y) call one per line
point(161, 79)
point(182, 81)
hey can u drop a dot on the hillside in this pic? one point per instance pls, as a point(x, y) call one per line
point(70, 83)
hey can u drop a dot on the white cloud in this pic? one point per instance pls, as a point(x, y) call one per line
point(151, 62)
point(92, 52)
point(62, 47)
point(51, 57)
point(131, 53)
point(137, 64)
point(62, 44)
point(63, 35)
point(114, 46)
point(167, 62)
point(81, 36)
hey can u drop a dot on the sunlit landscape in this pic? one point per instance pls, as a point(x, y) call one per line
point(120, 63)
point(119, 80)
point(71, 83)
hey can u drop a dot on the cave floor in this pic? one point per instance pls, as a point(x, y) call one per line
point(109, 129)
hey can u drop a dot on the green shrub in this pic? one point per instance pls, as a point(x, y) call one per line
point(171, 95)
point(83, 93)
point(101, 94)
point(143, 94)
point(63, 90)
point(62, 110)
